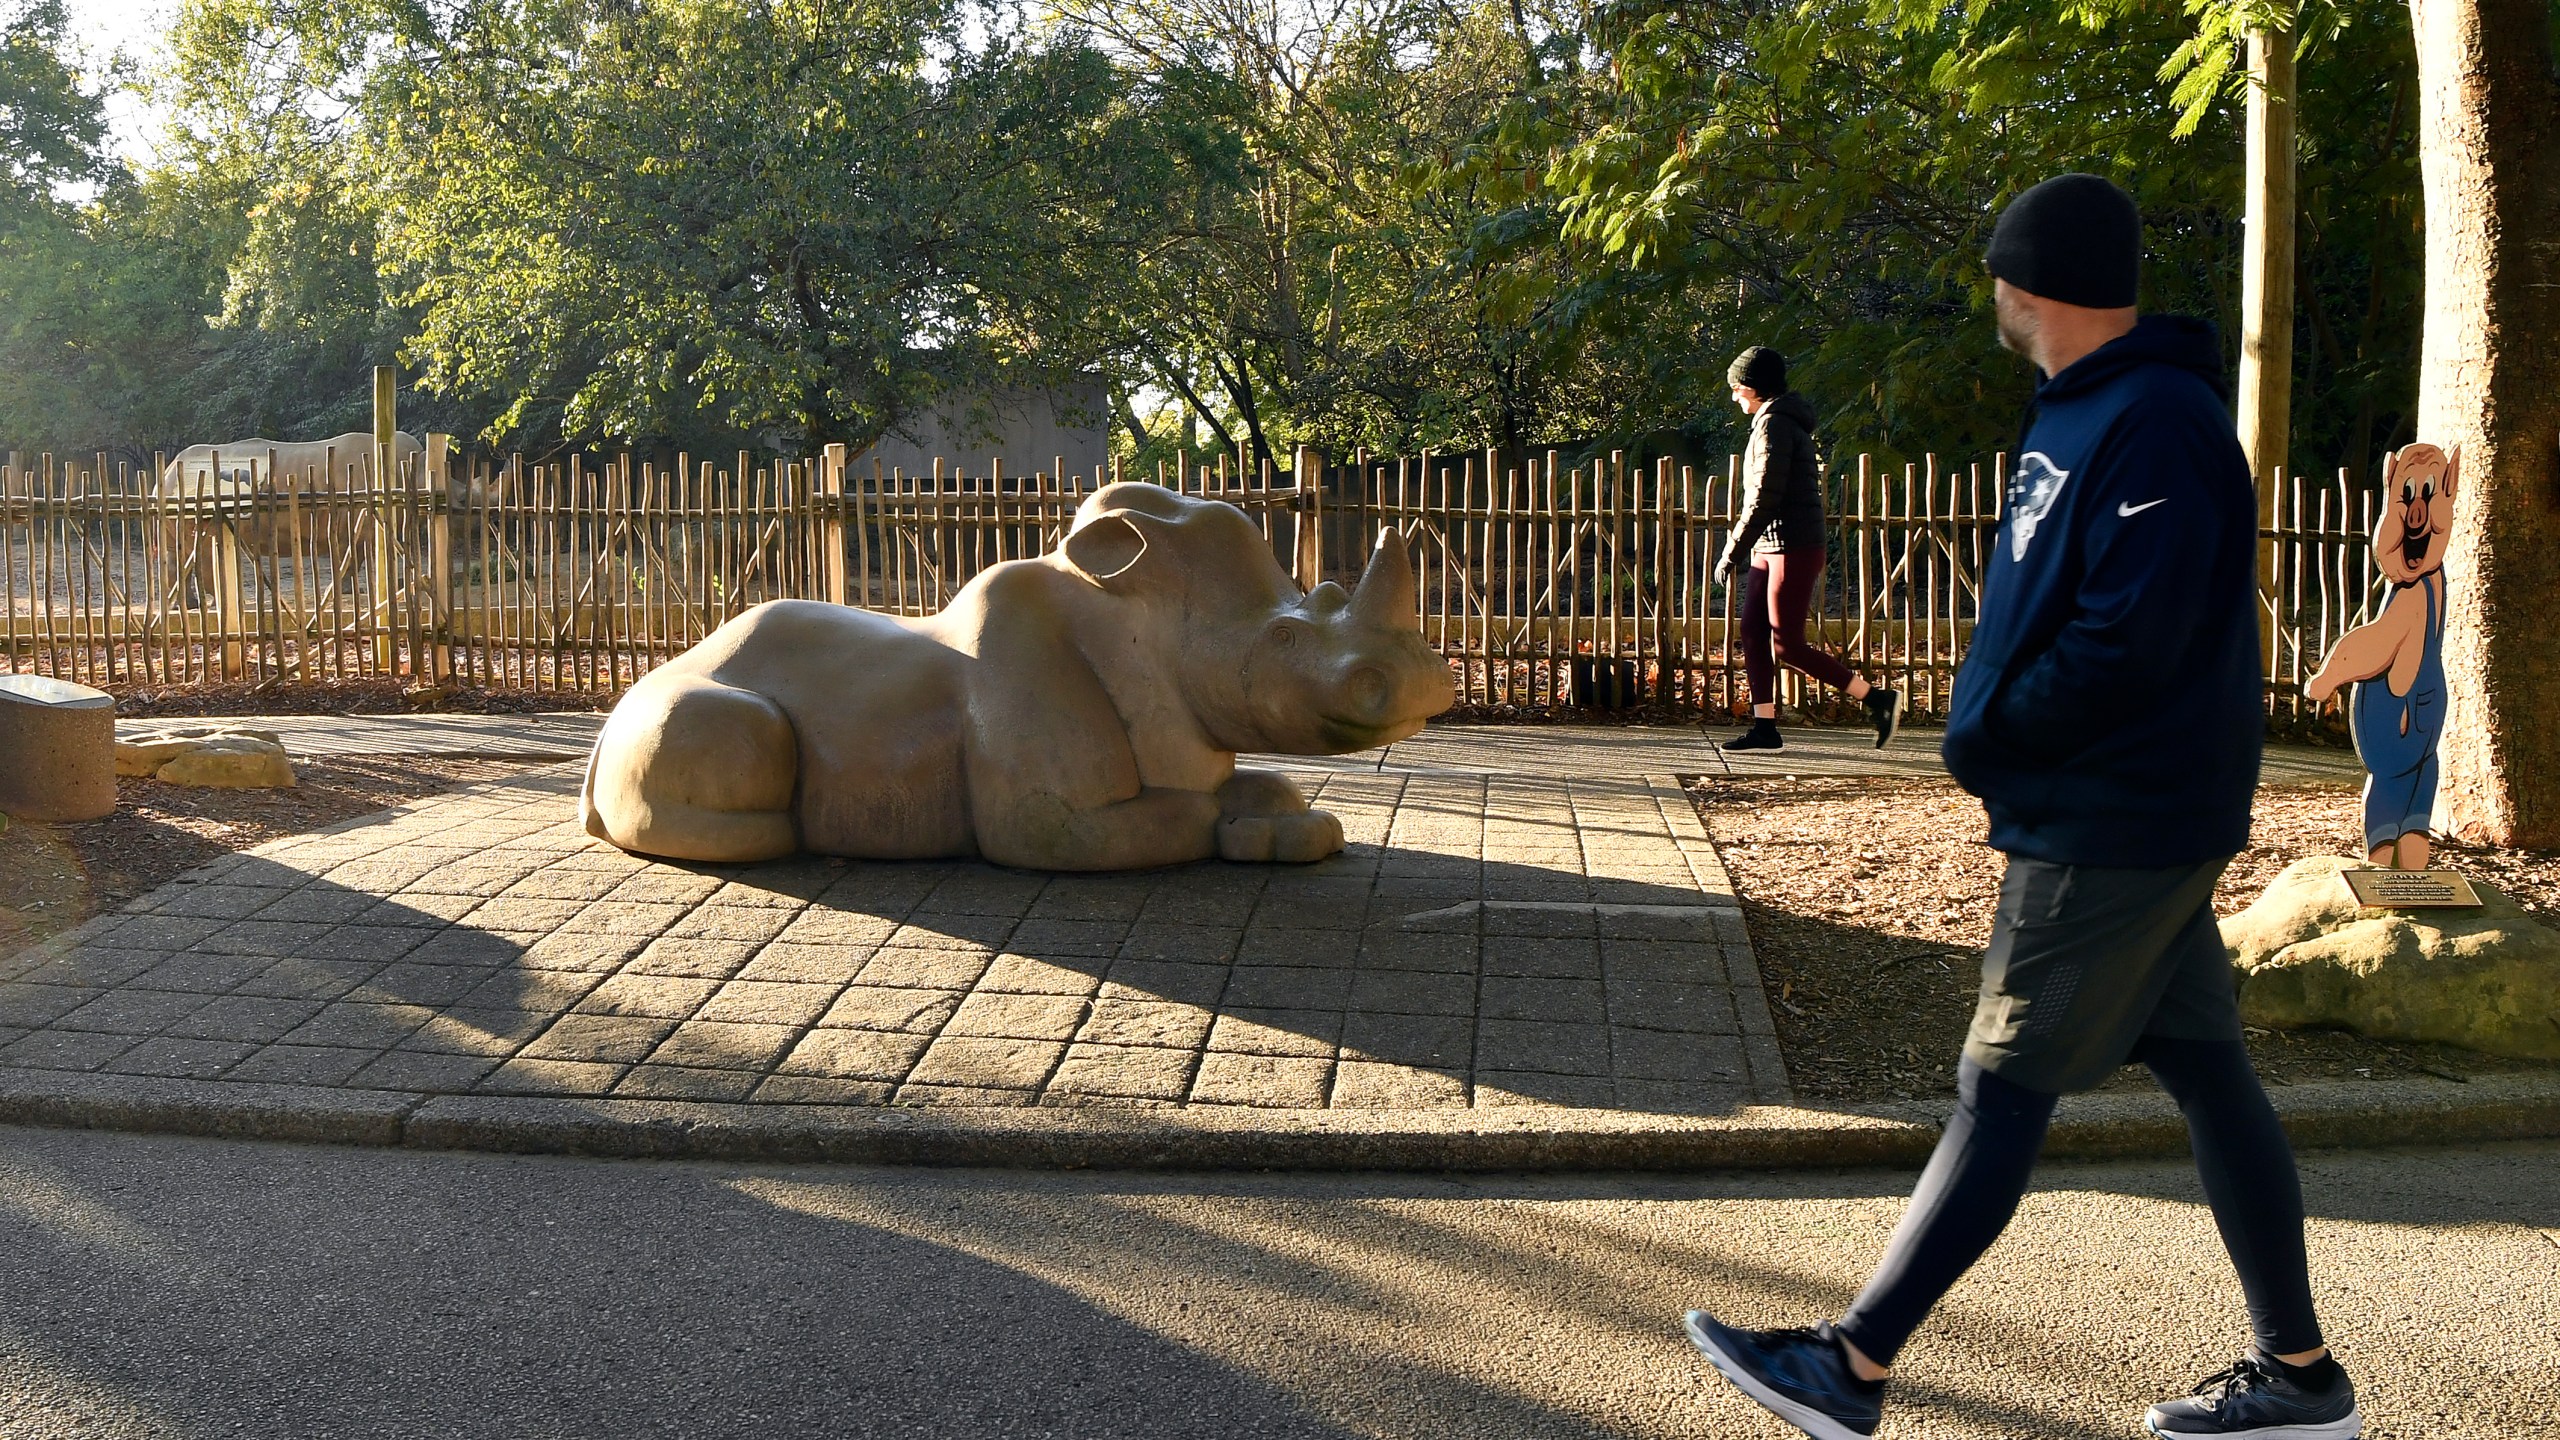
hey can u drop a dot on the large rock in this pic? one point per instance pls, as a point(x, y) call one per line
point(230, 762)
point(145, 752)
point(57, 749)
point(2485, 979)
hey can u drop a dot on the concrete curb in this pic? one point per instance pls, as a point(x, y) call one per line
point(1760, 1137)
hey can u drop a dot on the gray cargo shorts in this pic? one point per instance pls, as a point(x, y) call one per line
point(2087, 960)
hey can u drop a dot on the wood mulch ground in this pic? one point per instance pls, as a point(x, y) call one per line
point(1870, 900)
point(342, 697)
point(52, 877)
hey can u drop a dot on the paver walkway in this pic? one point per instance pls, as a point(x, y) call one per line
point(1487, 940)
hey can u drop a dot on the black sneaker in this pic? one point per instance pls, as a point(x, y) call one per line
point(1763, 735)
point(2256, 1400)
point(1800, 1376)
point(1884, 711)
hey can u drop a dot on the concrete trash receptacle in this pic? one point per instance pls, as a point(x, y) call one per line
point(57, 749)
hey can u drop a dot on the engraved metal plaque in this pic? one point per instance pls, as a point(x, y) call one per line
point(2411, 889)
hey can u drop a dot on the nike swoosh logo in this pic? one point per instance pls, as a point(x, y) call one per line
point(2123, 508)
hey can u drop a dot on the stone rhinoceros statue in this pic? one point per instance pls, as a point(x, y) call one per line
point(1079, 711)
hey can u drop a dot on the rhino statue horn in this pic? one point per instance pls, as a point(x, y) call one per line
point(1387, 595)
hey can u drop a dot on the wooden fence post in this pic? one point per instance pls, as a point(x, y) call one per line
point(441, 518)
point(1310, 516)
point(230, 619)
point(831, 522)
point(385, 572)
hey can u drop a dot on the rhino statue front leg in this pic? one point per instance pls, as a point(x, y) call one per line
point(1263, 816)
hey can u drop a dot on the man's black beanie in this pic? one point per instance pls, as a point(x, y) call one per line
point(2074, 238)
point(1761, 368)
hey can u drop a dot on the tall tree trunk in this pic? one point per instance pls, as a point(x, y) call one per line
point(2489, 148)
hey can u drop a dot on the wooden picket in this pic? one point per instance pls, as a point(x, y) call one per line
point(1548, 585)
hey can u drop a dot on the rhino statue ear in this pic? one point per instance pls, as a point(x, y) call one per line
point(1105, 547)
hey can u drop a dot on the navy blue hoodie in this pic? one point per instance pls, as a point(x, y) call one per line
point(2108, 708)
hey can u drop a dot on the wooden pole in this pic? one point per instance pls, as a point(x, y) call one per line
point(386, 390)
point(2266, 285)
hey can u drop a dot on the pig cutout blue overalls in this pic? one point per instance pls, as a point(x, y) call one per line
point(2396, 735)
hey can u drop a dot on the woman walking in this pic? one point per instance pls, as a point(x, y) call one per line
point(1781, 531)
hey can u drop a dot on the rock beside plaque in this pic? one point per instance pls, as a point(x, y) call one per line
point(57, 749)
point(2486, 979)
point(222, 757)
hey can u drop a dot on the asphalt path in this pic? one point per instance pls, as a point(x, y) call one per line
point(165, 1287)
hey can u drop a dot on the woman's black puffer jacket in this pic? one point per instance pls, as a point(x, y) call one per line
point(1781, 482)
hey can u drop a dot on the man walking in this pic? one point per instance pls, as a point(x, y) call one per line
point(2108, 716)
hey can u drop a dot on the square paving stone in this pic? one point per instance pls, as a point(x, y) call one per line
point(1346, 909)
point(556, 883)
point(419, 912)
point(1510, 997)
point(1698, 924)
point(180, 1058)
point(622, 1039)
point(495, 1033)
point(784, 961)
point(545, 990)
point(927, 969)
point(659, 997)
point(985, 892)
point(752, 924)
point(363, 942)
point(85, 967)
point(1161, 980)
point(486, 880)
point(203, 974)
point(1666, 1055)
point(819, 925)
point(159, 932)
point(30, 1005)
point(422, 984)
point(965, 1060)
point(1150, 940)
point(855, 1055)
point(308, 979)
point(370, 1027)
point(952, 932)
point(783, 884)
point(1030, 975)
point(970, 1097)
point(1545, 956)
point(1018, 1017)
point(250, 1019)
point(1405, 950)
point(692, 957)
point(1271, 986)
point(1685, 961)
point(1178, 908)
point(66, 1050)
point(228, 902)
point(889, 1007)
point(571, 950)
point(1495, 1088)
point(1543, 1046)
point(1277, 1032)
point(677, 1082)
point(666, 885)
point(1443, 1041)
point(1372, 1085)
point(1287, 1082)
point(1576, 923)
point(522, 912)
point(1085, 938)
point(769, 1002)
point(464, 945)
point(1319, 949)
point(1413, 992)
point(550, 1077)
point(132, 1012)
point(1124, 1071)
point(883, 888)
point(821, 1090)
point(302, 1065)
point(264, 937)
point(724, 1045)
point(1666, 1005)
point(425, 1070)
point(640, 918)
point(1147, 1022)
point(1093, 899)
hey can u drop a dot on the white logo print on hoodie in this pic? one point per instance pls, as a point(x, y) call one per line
point(2032, 492)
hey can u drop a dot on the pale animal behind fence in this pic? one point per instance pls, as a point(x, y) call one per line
point(1548, 585)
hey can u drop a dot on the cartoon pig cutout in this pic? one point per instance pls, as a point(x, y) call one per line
point(2396, 660)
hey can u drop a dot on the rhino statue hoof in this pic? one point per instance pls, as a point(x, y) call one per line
point(1079, 711)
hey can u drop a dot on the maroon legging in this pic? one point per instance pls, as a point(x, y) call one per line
point(1775, 600)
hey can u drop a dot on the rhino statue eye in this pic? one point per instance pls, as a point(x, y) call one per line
point(1284, 633)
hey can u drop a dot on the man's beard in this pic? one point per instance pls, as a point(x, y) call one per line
point(2017, 326)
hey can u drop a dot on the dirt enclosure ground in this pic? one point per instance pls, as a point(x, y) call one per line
point(52, 877)
point(1870, 900)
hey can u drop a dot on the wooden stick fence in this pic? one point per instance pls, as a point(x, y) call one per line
point(1548, 586)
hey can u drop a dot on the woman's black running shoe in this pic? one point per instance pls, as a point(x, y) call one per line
point(2256, 1400)
point(1763, 735)
point(1884, 711)
point(1800, 1376)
